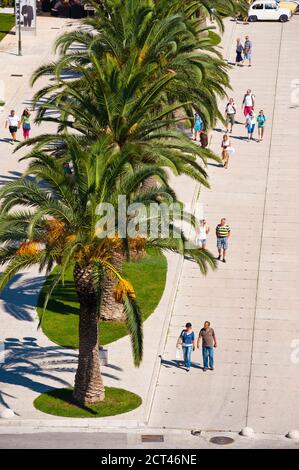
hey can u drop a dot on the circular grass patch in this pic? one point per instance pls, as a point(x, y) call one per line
point(59, 402)
point(61, 319)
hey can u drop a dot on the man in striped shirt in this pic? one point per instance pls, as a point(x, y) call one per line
point(222, 234)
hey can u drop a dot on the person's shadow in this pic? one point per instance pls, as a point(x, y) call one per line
point(178, 364)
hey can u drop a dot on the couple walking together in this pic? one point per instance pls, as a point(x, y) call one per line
point(186, 341)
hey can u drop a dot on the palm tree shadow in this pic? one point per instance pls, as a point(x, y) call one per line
point(13, 176)
point(20, 297)
point(31, 366)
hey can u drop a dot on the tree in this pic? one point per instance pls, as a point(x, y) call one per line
point(132, 73)
point(151, 38)
point(56, 222)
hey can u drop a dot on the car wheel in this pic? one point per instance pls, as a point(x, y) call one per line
point(283, 18)
point(252, 18)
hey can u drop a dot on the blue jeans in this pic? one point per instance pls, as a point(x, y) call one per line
point(187, 355)
point(208, 357)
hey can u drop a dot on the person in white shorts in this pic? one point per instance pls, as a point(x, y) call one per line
point(202, 234)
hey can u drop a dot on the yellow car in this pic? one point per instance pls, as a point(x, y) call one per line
point(290, 5)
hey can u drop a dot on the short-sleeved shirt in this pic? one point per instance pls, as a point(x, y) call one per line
point(222, 231)
point(261, 119)
point(208, 337)
point(248, 46)
point(250, 120)
point(13, 121)
point(187, 338)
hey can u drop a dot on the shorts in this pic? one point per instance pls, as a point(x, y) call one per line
point(13, 129)
point(247, 55)
point(230, 118)
point(200, 242)
point(222, 242)
point(247, 110)
point(250, 129)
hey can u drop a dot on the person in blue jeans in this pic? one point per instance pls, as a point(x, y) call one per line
point(187, 340)
point(209, 342)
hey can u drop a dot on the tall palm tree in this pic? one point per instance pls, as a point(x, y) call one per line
point(56, 222)
point(144, 36)
point(135, 71)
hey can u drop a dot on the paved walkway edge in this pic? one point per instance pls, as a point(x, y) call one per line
point(157, 365)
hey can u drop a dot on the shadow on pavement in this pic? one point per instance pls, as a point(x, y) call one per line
point(20, 298)
point(28, 365)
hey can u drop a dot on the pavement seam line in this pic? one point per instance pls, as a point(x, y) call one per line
point(263, 224)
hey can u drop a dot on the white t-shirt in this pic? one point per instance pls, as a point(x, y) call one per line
point(250, 120)
point(230, 109)
point(248, 101)
point(13, 121)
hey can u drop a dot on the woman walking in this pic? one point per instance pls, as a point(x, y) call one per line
point(225, 145)
point(202, 234)
point(261, 120)
point(25, 120)
point(187, 340)
point(198, 126)
point(250, 125)
point(239, 52)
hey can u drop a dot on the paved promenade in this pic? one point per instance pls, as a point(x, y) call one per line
point(252, 301)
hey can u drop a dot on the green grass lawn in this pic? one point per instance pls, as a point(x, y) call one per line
point(58, 402)
point(61, 319)
point(7, 21)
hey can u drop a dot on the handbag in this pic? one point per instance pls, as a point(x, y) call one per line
point(178, 354)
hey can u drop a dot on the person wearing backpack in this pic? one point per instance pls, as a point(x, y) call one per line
point(248, 102)
point(187, 341)
point(230, 113)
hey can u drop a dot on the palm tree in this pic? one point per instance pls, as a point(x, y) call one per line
point(122, 90)
point(133, 119)
point(143, 36)
point(56, 222)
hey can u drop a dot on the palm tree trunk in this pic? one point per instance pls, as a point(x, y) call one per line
point(110, 309)
point(148, 183)
point(89, 387)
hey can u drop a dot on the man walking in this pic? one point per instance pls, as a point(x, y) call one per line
point(209, 342)
point(222, 234)
point(248, 102)
point(13, 122)
point(247, 50)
